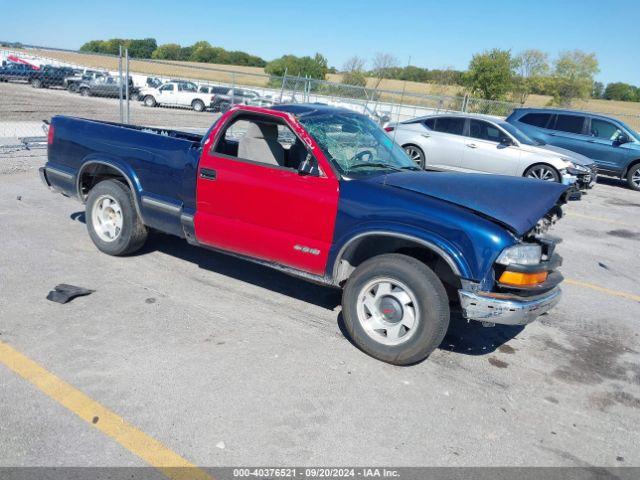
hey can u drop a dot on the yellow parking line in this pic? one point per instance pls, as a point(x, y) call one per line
point(600, 219)
point(598, 288)
point(137, 442)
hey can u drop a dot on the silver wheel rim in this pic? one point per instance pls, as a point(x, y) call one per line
point(198, 107)
point(387, 311)
point(635, 178)
point(149, 102)
point(107, 218)
point(415, 155)
point(542, 173)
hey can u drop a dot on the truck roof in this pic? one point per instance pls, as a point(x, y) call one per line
point(299, 109)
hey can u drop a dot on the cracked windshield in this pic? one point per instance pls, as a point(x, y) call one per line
point(355, 144)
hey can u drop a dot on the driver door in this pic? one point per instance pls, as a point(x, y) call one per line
point(485, 153)
point(257, 206)
point(167, 94)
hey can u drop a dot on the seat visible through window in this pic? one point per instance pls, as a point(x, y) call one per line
point(260, 144)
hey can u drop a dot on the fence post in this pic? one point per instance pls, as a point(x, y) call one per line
point(120, 80)
point(233, 89)
point(284, 79)
point(465, 102)
point(126, 81)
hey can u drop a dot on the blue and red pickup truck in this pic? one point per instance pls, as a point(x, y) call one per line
point(322, 193)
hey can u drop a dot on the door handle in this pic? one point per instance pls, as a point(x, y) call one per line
point(207, 174)
point(472, 145)
point(425, 135)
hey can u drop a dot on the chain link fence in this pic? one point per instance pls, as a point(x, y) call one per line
point(38, 83)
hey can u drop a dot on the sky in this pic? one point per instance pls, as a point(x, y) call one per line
point(432, 34)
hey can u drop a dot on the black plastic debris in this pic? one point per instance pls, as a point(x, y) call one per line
point(64, 293)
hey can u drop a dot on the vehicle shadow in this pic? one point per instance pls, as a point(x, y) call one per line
point(468, 338)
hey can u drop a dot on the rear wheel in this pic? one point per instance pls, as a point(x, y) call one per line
point(633, 177)
point(36, 83)
point(72, 87)
point(224, 106)
point(198, 105)
point(149, 101)
point(85, 92)
point(395, 309)
point(112, 220)
point(416, 154)
point(543, 172)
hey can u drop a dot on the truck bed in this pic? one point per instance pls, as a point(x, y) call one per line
point(160, 164)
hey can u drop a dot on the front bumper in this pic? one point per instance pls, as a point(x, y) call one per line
point(507, 309)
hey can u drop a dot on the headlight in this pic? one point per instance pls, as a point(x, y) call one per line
point(521, 254)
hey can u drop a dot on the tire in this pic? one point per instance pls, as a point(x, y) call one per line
point(85, 92)
point(72, 88)
point(224, 106)
point(410, 290)
point(134, 97)
point(542, 171)
point(197, 105)
point(416, 154)
point(633, 177)
point(149, 101)
point(36, 83)
point(110, 204)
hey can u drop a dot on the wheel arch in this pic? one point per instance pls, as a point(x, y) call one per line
point(629, 166)
point(365, 245)
point(96, 169)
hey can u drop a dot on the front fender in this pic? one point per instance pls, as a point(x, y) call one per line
point(451, 253)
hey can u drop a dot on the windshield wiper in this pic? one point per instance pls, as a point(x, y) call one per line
point(375, 165)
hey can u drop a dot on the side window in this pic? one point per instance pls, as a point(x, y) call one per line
point(167, 88)
point(485, 131)
point(536, 119)
point(452, 125)
point(430, 123)
point(569, 123)
point(262, 141)
point(605, 130)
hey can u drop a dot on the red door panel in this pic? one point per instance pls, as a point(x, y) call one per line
point(266, 212)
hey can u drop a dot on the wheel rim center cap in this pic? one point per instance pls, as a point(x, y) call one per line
point(391, 309)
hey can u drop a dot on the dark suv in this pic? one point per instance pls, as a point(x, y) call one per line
point(50, 76)
point(614, 146)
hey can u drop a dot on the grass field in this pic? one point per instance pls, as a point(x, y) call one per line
point(255, 76)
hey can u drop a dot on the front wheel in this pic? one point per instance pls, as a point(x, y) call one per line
point(224, 106)
point(36, 83)
point(542, 172)
point(416, 154)
point(633, 177)
point(112, 220)
point(395, 309)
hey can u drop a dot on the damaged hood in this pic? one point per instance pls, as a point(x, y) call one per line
point(515, 202)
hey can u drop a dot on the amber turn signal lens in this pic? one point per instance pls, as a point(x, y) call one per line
point(523, 279)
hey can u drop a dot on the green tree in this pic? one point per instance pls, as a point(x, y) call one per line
point(315, 67)
point(574, 72)
point(168, 51)
point(353, 72)
point(490, 74)
point(598, 90)
point(141, 48)
point(531, 65)
point(621, 91)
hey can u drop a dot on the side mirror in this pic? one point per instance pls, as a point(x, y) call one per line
point(622, 139)
point(308, 167)
point(506, 142)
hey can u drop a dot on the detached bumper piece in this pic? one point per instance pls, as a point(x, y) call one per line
point(507, 309)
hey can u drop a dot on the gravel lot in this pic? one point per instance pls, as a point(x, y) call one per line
point(22, 103)
point(228, 363)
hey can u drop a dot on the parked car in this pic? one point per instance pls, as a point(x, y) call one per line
point(16, 72)
point(342, 206)
point(176, 94)
point(50, 76)
point(614, 146)
point(107, 86)
point(72, 83)
point(225, 97)
point(484, 144)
